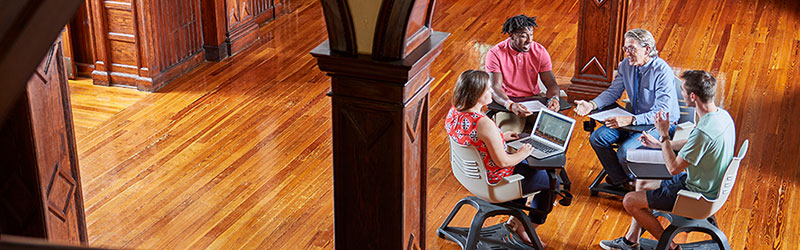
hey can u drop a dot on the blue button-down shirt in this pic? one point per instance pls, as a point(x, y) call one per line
point(656, 90)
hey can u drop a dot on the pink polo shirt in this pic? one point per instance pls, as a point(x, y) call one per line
point(520, 69)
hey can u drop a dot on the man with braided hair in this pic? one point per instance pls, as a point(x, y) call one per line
point(516, 65)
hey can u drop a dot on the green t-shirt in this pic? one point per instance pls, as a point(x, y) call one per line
point(709, 150)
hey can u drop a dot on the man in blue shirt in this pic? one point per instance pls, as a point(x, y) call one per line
point(649, 82)
point(705, 156)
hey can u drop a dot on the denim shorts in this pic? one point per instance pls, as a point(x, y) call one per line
point(664, 197)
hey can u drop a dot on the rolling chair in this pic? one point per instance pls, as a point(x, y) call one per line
point(490, 200)
point(692, 212)
point(597, 186)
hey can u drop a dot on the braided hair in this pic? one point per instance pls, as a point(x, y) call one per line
point(519, 22)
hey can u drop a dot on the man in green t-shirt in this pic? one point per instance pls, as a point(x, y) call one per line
point(705, 157)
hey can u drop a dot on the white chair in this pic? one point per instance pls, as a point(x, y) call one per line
point(490, 200)
point(693, 212)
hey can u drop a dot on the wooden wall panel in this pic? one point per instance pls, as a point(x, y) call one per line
point(146, 43)
point(243, 18)
point(83, 39)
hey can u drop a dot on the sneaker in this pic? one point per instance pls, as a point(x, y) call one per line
point(618, 243)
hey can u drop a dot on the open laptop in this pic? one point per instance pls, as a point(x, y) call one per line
point(550, 134)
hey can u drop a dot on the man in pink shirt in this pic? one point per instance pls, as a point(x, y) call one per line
point(515, 66)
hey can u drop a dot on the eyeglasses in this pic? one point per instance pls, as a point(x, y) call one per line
point(629, 48)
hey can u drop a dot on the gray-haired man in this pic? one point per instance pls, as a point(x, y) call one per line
point(649, 82)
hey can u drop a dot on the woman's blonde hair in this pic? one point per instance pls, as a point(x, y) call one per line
point(468, 89)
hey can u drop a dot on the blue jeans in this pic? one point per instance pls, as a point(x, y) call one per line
point(614, 161)
point(535, 180)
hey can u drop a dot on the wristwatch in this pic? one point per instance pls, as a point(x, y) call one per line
point(664, 138)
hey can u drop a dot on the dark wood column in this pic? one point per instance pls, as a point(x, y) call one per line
point(380, 123)
point(40, 186)
point(600, 28)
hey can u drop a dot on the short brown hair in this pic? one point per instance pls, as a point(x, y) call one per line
point(701, 83)
point(468, 89)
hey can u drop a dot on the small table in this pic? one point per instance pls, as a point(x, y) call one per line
point(495, 107)
point(649, 171)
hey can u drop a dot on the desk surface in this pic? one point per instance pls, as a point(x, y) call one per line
point(648, 171)
point(562, 102)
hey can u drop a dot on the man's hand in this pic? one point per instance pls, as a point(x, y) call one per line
point(553, 104)
point(520, 110)
point(649, 141)
point(662, 125)
point(583, 108)
point(510, 135)
point(618, 121)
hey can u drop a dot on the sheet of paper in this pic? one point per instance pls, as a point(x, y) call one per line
point(645, 155)
point(533, 106)
point(683, 130)
point(602, 116)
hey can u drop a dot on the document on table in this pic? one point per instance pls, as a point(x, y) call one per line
point(645, 155)
point(603, 115)
point(533, 106)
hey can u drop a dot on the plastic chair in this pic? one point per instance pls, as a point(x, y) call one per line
point(597, 186)
point(490, 200)
point(692, 212)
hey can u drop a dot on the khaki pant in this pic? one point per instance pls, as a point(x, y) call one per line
point(510, 122)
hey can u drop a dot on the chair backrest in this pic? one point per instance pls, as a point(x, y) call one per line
point(729, 179)
point(468, 168)
point(687, 113)
point(695, 205)
point(470, 171)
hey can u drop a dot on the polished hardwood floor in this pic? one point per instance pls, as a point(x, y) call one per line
point(237, 154)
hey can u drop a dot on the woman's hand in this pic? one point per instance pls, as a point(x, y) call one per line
point(510, 135)
point(525, 149)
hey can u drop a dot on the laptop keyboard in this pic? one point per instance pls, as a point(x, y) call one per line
point(539, 146)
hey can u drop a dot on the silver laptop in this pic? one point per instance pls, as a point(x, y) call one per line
point(550, 134)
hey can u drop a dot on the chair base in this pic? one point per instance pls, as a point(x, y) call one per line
point(648, 244)
point(598, 186)
point(492, 237)
point(680, 224)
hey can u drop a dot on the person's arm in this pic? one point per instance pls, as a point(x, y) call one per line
point(489, 134)
point(651, 142)
point(614, 91)
point(664, 93)
point(675, 164)
point(496, 79)
point(500, 96)
point(549, 80)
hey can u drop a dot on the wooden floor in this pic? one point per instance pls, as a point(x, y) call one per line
point(237, 154)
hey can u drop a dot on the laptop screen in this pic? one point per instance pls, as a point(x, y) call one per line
point(553, 128)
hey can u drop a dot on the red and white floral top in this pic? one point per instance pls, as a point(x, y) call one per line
point(461, 126)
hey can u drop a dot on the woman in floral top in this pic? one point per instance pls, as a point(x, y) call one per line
point(467, 124)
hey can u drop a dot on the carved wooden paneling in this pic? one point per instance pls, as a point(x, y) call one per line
point(243, 17)
point(600, 28)
point(145, 43)
point(41, 191)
